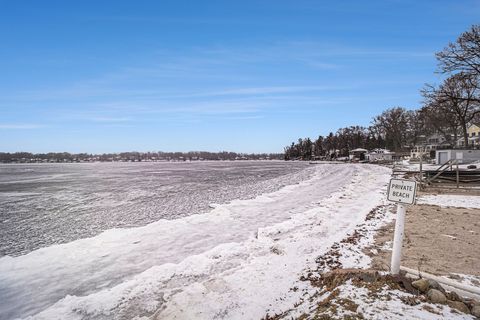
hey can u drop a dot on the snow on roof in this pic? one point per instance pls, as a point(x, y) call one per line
point(381, 151)
point(359, 150)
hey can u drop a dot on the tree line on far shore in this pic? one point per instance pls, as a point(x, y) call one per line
point(447, 109)
point(27, 157)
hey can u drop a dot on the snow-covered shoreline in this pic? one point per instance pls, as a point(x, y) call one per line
point(243, 260)
point(238, 261)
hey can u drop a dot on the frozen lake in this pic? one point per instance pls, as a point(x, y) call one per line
point(228, 261)
point(45, 204)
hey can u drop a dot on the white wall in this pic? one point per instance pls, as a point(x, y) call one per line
point(463, 156)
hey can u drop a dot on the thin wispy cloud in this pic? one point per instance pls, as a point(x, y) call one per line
point(110, 119)
point(267, 90)
point(244, 118)
point(320, 65)
point(201, 66)
point(169, 20)
point(246, 107)
point(19, 126)
point(322, 49)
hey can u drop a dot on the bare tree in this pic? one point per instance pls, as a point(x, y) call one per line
point(393, 125)
point(457, 99)
point(463, 55)
point(330, 144)
point(319, 146)
point(350, 138)
point(417, 127)
point(438, 114)
point(438, 118)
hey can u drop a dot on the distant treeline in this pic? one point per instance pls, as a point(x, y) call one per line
point(447, 110)
point(24, 157)
point(395, 129)
point(334, 145)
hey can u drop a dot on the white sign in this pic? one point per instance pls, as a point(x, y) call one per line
point(402, 191)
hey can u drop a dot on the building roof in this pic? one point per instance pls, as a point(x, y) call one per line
point(359, 150)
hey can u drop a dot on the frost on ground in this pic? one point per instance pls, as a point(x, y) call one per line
point(349, 294)
point(451, 200)
point(467, 279)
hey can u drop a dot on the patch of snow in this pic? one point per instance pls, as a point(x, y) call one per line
point(353, 255)
point(387, 246)
point(384, 304)
point(449, 236)
point(450, 200)
point(466, 279)
point(387, 304)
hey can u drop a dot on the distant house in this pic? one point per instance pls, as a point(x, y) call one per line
point(357, 154)
point(378, 155)
point(473, 132)
point(428, 145)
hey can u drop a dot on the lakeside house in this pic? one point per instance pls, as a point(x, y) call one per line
point(429, 144)
point(459, 151)
point(443, 148)
point(473, 132)
point(380, 155)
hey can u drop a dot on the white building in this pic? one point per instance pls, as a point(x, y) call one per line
point(380, 155)
point(462, 155)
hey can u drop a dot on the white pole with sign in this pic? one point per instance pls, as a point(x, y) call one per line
point(403, 192)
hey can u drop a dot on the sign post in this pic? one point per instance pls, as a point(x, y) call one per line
point(403, 192)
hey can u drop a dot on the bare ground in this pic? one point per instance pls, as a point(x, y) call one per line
point(437, 240)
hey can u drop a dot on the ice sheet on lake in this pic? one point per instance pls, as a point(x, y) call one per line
point(47, 204)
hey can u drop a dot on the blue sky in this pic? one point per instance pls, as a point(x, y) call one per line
point(245, 76)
